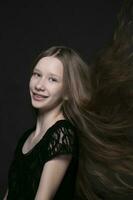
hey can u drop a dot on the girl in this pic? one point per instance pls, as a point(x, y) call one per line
point(83, 134)
point(46, 158)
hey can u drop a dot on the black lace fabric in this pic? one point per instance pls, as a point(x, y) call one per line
point(26, 169)
point(61, 142)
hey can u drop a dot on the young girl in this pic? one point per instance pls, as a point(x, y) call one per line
point(83, 134)
point(46, 158)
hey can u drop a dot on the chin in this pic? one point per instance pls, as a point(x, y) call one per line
point(36, 104)
point(40, 106)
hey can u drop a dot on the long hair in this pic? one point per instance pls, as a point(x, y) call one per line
point(77, 89)
point(99, 103)
point(112, 103)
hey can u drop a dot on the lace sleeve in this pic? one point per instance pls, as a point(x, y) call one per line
point(62, 142)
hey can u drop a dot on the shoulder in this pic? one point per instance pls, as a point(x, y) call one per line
point(62, 139)
point(63, 128)
point(23, 138)
point(26, 133)
point(66, 124)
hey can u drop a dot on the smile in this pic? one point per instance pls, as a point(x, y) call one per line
point(38, 97)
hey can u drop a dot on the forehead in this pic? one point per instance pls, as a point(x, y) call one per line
point(50, 65)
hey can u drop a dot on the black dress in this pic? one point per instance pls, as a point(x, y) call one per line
point(26, 169)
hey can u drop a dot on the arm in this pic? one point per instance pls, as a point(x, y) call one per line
point(5, 197)
point(52, 175)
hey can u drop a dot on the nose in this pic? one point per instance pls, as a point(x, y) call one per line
point(40, 85)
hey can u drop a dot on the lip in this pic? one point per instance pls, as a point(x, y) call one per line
point(38, 97)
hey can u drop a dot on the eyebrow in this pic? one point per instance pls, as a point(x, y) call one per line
point(35, 69)
point(51, 74)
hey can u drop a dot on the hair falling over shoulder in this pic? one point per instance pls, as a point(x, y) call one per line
point(100, 104)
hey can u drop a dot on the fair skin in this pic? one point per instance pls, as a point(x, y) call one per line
point(46, 90)
point(52, 176)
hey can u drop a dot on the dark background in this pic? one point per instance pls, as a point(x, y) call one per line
point(27, 28)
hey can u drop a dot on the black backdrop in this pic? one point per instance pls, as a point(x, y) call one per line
point(28, 27)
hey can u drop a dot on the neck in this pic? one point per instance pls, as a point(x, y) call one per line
point(46, 120)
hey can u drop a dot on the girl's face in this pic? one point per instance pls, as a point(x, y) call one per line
point(46, 84)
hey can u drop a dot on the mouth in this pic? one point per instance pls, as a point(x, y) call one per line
point(38, 97)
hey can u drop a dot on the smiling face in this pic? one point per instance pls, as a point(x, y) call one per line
point(46, 84)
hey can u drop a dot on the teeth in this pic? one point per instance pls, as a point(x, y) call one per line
point(39, 96)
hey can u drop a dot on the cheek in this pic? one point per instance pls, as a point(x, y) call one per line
point(59, 92)
point(30, 83)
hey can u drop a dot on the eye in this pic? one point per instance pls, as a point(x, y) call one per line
point(51, 79)
point(36, 74)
